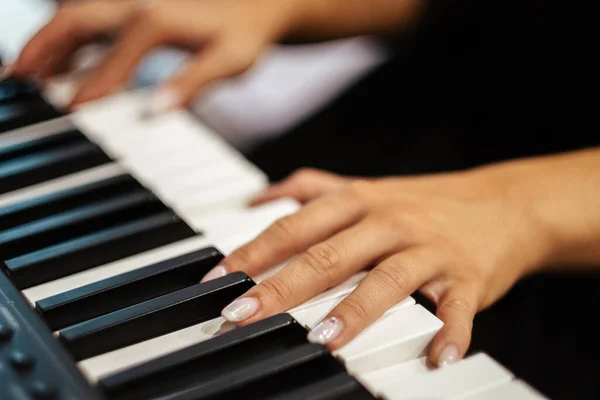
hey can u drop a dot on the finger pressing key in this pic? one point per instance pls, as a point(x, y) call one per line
point(321, 267)
point(390, 282)
point(293, 234)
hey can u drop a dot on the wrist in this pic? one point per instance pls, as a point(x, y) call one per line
point(556, 196)
point(516, 185)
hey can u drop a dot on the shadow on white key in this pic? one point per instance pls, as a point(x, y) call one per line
point(515, 390)
point(106, 364)
point(399, 336)
point(473, 375)
point(313, 311)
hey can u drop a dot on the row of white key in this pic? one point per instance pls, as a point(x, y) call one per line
point(477, 377)
point(387, 331)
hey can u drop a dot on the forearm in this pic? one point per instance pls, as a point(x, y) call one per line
point(328, 19)
point(562, 194)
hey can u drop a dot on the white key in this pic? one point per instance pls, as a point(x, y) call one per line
point(101, 172)
point(177, 161)
point(250, 227)
point(109, 363)
point(515, 390)
point(36, 131)
point(397, 337)
point(311, 312)
point(106, 364)
point(475, 374)
point(156, 255)
point(204, 178)
point(225, 222)
point(230, 195)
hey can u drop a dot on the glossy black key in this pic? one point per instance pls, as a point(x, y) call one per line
point(303, 365)
point(95, 249)
point(39, 167)
point(127, 289)
point(12, 90)
point(43, 206)
point(71, 224)
point(206, 361)
point(39, 144)
point(14, 115)
point(156, 317)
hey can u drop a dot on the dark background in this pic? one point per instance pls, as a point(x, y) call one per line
point(477, 82)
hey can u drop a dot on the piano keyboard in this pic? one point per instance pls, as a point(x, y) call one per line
point(108, 221)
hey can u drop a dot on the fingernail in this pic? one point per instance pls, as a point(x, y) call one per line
point(449, 355)
point(217, 272)
point(6, 71)
point(240, 309)
point(163, 100)
point(326, 330)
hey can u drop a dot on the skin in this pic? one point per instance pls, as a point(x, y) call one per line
point(463, 239)
point(227, 36)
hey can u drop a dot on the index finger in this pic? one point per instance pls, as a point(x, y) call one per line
point(290, 235)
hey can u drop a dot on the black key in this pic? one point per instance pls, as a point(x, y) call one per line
point(156, 317)
point(39, 144)
point(46, 165)
point(80, 221)
point(124, 290)
point(339, 387)
point(95, 249)
point(49, 204)
point(206, 361)
point(20, 114)
point(303, 365)
point(12, 90)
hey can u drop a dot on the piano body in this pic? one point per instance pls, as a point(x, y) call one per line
point(108, 221)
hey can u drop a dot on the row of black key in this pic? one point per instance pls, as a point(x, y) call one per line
point(59, 234)
point(40, 160)
point(62, 233)
point(22, 104)
point(268, 359)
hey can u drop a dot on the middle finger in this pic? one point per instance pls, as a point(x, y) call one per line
point(319, 268)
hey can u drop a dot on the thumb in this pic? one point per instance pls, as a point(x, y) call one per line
point(303, 185)
point(457, 310)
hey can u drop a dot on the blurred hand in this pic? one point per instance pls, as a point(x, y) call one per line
point(461, 239)
point(228, 36)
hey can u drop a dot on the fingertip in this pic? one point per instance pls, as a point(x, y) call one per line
point(217, 272)
point(162, 100)
point(450, 354)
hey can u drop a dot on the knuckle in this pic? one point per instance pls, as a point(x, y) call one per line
point(323, 257)
point(394, 276)
point(360, 188)
point(286, 227)
point(243, 257)
point(458, 305)
point(356, 308)
point(304, 174)
point(276, 290)
point(236, 57)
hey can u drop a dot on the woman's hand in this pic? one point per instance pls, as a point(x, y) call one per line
point(461, 239)
point(228, 36)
